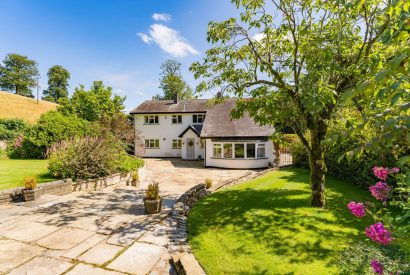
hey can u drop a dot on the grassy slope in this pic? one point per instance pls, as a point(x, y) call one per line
point(266, 226)
point(12, 172)
point(15, 106)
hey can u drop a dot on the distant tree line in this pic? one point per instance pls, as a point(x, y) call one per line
point(19, 75)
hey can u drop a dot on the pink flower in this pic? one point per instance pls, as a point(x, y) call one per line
point(381, 172)
point(377, 267)
point(357, 209)
point(380, 191)
point(377, 232)
point(394, 170)
point(18, 142)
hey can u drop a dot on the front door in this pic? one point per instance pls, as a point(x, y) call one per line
point(190, 148)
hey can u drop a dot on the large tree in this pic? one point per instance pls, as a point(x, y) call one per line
point(57, 83)
point(171, 82)
point(18, 74)
point(94, 104)
point(296, 60)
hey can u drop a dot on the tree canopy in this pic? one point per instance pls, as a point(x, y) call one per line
point(93, 104)
point(57, 83)
point(18, 74)
point(297, 60)
point(171, 82)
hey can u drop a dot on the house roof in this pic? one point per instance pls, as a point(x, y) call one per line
point(168, 106)
point(195, 128)
point(218, 123)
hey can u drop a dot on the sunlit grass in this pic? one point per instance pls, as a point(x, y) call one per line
point(13, 172)
point(266, 226)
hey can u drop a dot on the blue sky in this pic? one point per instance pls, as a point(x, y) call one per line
point(121, 42)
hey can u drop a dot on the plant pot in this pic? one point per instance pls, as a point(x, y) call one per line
point(152, 206)
point(135, 183)
point(31, 195)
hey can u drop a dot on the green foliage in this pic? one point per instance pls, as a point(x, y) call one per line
point(356, 258)
point(171, 82)
point(55, 126)
point(10, 128)
point(152, 192)
point(26, 150)
point(90, 157)
point(129, 163)
point(135, 176)
point(18, 74)
point(57, 84)
point(30, 183)
point(94, 104)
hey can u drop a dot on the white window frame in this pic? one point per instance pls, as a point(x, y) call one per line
point(223, 151)
point(151, 119)
point(178, 119)
point(217, 146)
point(246, 150)
point(177, 144)
point(260, 146)
point(152, 144)
point(196, 116)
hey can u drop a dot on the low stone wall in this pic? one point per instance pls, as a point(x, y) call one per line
point(59, 187)
point(183, 259)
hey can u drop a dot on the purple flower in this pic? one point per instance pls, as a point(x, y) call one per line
point(376, 232)
point(380, 191)
point(394, 170)
point(357, 209)
point(381, 172)
point(18, 142)
point(377, 267)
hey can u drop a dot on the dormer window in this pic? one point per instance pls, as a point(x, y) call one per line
point(152, 119)
point(198, 119)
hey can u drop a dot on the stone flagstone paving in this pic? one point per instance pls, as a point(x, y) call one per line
point(102, 232)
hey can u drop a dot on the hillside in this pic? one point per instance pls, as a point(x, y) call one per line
point(16, 106)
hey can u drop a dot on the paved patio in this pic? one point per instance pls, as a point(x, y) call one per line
point(100, 232)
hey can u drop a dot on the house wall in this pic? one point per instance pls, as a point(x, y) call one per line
point(239, 163)
point(165, 131)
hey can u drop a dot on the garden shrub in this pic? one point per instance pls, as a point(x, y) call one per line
point(10, 128)
point(90, 157)
point(54, 126)
point(152, 192)
point(23, 148)
point(30, 183)
point(355, 171)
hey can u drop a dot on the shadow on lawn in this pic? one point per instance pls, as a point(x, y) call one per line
point(281, 219)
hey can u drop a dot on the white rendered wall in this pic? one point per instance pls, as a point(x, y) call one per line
point(239, 163)
point(165, 131)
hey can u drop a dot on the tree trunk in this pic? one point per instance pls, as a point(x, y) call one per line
point(276, 147)
point(317, 168)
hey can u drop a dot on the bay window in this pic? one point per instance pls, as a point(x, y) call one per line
point(217, 150)
point(239, 150)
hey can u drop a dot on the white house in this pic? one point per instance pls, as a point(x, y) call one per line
point(192, 129)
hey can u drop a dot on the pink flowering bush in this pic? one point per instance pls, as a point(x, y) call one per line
point(377, 267)
point(381, 172)
point(382, 230)
point(377, 232)
point(19, 141)
point(357, 209)
point(380, 191)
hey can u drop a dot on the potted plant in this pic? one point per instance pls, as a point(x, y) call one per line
point(30, 191)
point(152, 200)
point(135, 178)
point(208, 183)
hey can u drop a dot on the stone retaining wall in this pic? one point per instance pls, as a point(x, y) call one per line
point(59, 187)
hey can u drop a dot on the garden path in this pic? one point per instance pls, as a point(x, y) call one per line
point(99, 232)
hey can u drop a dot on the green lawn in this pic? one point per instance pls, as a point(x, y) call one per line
point(266, 226)
point(12, 172)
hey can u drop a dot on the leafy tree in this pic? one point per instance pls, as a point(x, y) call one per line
point(18, 74)
point(57, 83)
point(55, 126)
point(94, 104)
point(171, 82)
point(296, 60)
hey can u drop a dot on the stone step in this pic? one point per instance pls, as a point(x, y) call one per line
point(186, 264)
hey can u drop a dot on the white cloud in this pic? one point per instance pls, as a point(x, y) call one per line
point(168, 40)
point(259, 36)
point(146, 38)
point(161, 17)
